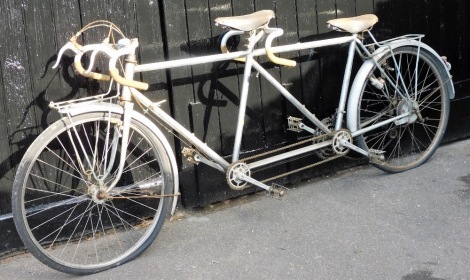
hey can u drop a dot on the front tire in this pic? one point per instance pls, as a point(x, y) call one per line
point(60, 208)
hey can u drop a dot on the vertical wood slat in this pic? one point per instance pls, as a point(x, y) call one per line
point(66, 17)
point(272, 105)
point(204, 111)
point(41, 48)
point(16, 93)
point(151, 49)
point(226, 82)
point(180, 87)
point(254, 123)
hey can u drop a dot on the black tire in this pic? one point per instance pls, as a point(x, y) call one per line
point(53, 207)
point(409, 144)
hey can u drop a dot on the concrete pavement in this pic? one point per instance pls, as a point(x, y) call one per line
point(358, 224)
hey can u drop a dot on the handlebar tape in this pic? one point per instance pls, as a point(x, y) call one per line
point(92, 75)
point(125, 82)
point(279, 60)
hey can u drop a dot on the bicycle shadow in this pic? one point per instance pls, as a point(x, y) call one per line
point(23, 135)
point(219, 87)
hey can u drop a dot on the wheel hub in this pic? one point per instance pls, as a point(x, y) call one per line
point(98, 195)
point(407, 107)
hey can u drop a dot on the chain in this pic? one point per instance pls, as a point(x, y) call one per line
point(301, 169)
point(313, 139)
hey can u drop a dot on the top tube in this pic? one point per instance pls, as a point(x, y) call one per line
point(229, 56)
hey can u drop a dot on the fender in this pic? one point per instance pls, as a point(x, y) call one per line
point(114, 108)
point(367, 66)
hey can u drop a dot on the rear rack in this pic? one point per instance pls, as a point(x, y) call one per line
point(104, 97)
point(82, 101)
point(390, 42)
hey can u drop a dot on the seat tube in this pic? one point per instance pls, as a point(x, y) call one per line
point(345, 87)
point(243, 99)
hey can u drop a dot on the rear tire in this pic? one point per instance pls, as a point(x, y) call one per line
point(410, 142)
point(61, 212)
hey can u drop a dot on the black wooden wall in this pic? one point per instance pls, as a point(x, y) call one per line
point(203, 98)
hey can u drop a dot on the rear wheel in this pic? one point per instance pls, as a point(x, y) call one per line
point(62, 209)
point(418, 88)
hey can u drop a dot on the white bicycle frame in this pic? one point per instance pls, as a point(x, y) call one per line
point(249, 64)
point(213, 158)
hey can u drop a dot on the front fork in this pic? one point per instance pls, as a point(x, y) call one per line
point(126, 97)
point(128, 107)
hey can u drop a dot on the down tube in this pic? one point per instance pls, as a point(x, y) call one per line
point(179, 128)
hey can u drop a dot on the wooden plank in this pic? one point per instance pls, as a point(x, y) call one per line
point(20, 123)
point(254, 123)
point(18, 113)
point(205, 111)
point(152, 49)
point(456, 44)
point(402, 17)
point(332, 65)
point(176, 33)
point(180, 87)
point(309, 76)
point(364, 7)
point(123, 14)
point(205, 86)
point(291, 78)
point(435, 31)
point(227, 84)
point(7, 172)
point(345, 8)
point(66, 21)
point(272, 102)
point(92, 10)
point(384, 28)
point(310, 64)
point(42, 48)
point(66, 18)
point(464, 42)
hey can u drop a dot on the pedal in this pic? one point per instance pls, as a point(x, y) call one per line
point(278, 190)
point(294, 124)
point(376, 156)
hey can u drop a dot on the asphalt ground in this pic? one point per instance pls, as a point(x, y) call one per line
point(360, 223)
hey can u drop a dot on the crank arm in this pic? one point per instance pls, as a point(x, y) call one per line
point(275, 189)
point(252, 181)
point(199, 158)
point(374, 155)
point(353, 147)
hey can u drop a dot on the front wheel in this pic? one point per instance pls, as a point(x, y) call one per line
point(417, 88)
point(61, 207)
